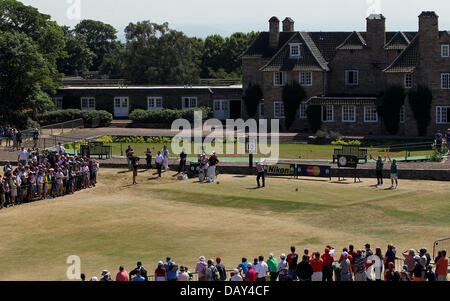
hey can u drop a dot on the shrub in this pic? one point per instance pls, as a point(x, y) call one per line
point(420, 101)
point(344, 142)
point(252, 97)
point(167, 116)
point(53, 117)
point(392, 101)
point(436, 156)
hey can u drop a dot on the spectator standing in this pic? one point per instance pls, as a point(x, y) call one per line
point(409, 260)
point(283, 263)
point(200, 268)
point(172, 269)
point(418, 272)
point(134, 167)
point(129, 153)
point(243, 266)
point(327, 267)
point(389, 256)
point(391, 274)
point(60, 148)
point(139, 268)
point(261, 175)
point(379, 170)
point(345, 267)
point(148, 158)
point(360, 267)
point(211, 272)
point(235, 276)
point(221, 268)
point(182, 275)
point(106, 276)
point(165, 154)
point(261, 269)
point(438, 140)
point(442, 266)
point(35, 138)
point(212, 162)
point(304, 269)
point(160, 272)
point(317, 265)
point(23, 156)
point(394, 174)
point(292, 260)
point(182, 166)
point(138, 277)
point(272, 263)
point(122, 275)
point(284, 275)
point(159, 161)
point(430, 275)
point(377, 263)
point(250, 275)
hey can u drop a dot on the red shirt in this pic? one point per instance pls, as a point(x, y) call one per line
point(327, 259)
point(317, 264)
point(122, 276)
point(442, 266)
point(251, 275)
point(353, 254)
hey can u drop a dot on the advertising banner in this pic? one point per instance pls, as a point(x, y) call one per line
point(313, 171)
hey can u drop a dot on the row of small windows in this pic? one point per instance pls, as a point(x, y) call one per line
point(348, 113)
point(153, 103)
point(352, 79)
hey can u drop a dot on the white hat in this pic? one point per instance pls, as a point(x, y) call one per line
point(236, 271)
point(202, 258)
point(283, 256)
point(160, 262)
point(345, 254)
point(271, 255)
point(94, 279)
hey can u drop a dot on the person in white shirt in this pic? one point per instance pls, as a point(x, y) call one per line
point(165, 154)
point(261, 269)
point(159, 161)
point(235, 276)
point(59, 182)
point(283, 263)
point(60, 148)
point(377, 265)
point(23, 156)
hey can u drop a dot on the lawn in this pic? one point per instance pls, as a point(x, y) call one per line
point(286, 151)
point(117, 223)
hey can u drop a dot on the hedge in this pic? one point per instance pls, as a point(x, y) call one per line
point(72, 114)
point(167, 116)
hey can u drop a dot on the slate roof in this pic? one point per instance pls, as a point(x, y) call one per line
point(326, 43)
point(354, 41)
point(398, 42)
point(311, 59)
point(408, 60)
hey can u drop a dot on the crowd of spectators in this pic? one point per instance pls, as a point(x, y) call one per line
point(349, 265)
point(45, 174)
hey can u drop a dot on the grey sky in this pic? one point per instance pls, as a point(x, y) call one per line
point(203, 17)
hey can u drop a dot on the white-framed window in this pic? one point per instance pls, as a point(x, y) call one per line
point(188, 102)
point(445, 81)
point(58, 103)
point(305, 79)
point(402, 114)
point(442, 114)
point(302, 110)
point(295, 50)
point(408, 80)
point(351, 77)
point(445, 50)
point(278, 110)
point(370, 114)
point(154, 103)
point(348, 113)
point(88, 103)
point(279, 79)
point(328, 113)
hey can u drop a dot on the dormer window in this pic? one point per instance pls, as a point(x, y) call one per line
point(295, 50)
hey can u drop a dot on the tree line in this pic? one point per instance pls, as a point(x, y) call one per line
point(36, 53)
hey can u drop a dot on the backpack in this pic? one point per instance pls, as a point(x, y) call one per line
point(222, 273)
point(214, 272)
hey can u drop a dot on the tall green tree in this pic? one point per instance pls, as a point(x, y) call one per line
point(46, 34)
point(79, 56)
point(24, 73)
point(100, 37)
point(159, 55)
point(292, 95)
point(392, 101)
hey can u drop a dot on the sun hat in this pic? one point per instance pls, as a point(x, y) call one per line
point(345, 254)
point(283, 256)
point(202, 258)
point(160, 263)
point(105, 272)
point(271, 255)
point(236, 271)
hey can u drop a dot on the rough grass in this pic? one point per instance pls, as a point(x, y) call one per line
point(118, 224)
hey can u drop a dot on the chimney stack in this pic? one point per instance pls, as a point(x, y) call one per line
point(428, 25)
point(376, 32)
point(288, 25)
point(274, 32)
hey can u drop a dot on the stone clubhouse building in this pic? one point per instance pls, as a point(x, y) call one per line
point(346, 72)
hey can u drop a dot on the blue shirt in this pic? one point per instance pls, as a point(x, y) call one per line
point(138, 278)
point(170, 275)
point(244, 267)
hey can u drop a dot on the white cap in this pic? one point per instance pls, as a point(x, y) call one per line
point(283, 256)
point(345, 254)
point(236, 271)
point(270, 255)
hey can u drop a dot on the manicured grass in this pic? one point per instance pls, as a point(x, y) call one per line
point(286, 151)
point(118, 224)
